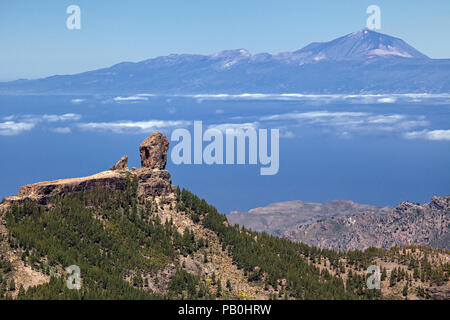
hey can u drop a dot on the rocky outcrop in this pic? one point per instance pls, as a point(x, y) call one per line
point(153, 151)
point(153, 180)
point(122, 164)
point(154, 183)
point(41, 192)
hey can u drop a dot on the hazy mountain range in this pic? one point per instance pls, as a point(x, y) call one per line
point(346, 225)
point(277, 218)
point(361, 62)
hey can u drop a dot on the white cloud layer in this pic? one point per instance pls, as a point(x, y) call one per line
point(314, 115)
point(17, 124)
point(348, 122)
point(132, 126)
point(234, 128)
point(387, 100)
point(75, 101)
point(60, 118)
point(61, 130)
point(11, 128)
point(44, 117)
point(131, 98)
point(436, 135)
point(325, 98)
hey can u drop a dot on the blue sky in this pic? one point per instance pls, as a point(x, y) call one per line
point(35, 41)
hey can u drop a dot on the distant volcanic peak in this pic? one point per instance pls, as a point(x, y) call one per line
point(362, 44)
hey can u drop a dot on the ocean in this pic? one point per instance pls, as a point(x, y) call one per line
point(374, 149)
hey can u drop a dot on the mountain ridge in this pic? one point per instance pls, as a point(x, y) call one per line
point(360, 62)
point(407, 223)
point(278, 217)
point(345, 225)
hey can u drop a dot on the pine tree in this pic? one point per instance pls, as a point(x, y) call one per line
point(229, 285)
point(383, 274)
point(12, 285)
point(416, 273)
point(393, 278)
point(21, 292)
point(219, 288)
point(405, 290)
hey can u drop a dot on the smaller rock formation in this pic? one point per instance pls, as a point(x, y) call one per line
point(122, 164)
point(153, 151)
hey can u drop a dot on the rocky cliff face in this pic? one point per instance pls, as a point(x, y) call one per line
point(153, 180)
point(406, 224)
